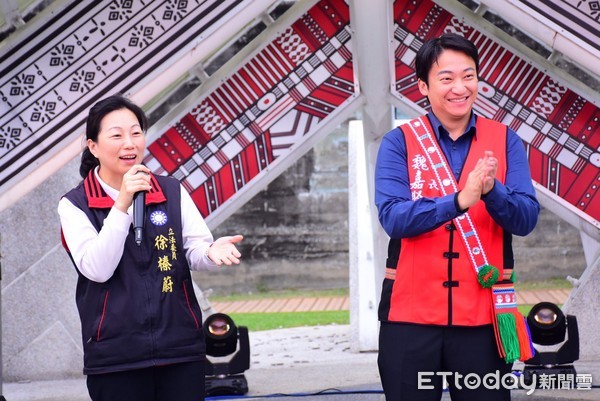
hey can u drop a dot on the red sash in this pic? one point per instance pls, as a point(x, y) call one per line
point(512, 334)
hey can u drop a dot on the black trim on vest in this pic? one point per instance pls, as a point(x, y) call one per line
point(394, 246)
point(507, 251)
point(451, 255)
point(450, 249)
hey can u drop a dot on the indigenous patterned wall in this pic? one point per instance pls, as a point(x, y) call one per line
point(578, 17)
point(276, 99)
point(271, 103)
point(89, 50)
point(558, 126)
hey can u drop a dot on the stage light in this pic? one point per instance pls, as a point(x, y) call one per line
point(226, 361)
point(547, 324)
point(550, 327)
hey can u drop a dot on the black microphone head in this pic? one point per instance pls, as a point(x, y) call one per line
point(139, 215)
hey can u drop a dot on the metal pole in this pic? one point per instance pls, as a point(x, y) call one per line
point(1, 377)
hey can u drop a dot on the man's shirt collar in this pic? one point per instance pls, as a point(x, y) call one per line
point(438, 128)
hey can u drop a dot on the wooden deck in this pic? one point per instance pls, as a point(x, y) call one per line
point(307, 304)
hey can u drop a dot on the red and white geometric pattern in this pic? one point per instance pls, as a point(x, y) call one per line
point(208, 119)
point(292, 44)
point(274, 101)
point(549, 96)
point(556, 124)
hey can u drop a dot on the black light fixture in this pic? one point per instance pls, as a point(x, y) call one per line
point(226, 362)
point(550, 327)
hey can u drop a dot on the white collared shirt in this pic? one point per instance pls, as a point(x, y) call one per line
point(97, 254)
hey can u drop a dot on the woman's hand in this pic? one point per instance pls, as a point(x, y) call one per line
point(223, 250)
point(135, 180)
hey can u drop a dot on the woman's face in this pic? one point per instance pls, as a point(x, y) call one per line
point(121, 143)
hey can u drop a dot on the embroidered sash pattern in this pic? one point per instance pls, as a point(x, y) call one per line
point(487, 274)
point(513, 338)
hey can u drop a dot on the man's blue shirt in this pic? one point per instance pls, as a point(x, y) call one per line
point(513, 205)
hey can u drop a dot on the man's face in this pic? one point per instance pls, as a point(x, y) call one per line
point(452, 87)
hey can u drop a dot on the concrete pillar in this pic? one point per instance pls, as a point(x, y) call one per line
point(371, 24)
point(364, 277)
point(584, 300)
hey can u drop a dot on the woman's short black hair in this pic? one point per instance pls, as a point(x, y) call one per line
point(431, 50)
point(94, 119)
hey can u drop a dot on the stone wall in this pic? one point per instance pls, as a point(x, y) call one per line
point(297, 232)
point(40, 326)
point(552, 250)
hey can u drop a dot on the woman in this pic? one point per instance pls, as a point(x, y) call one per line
point(141, 323)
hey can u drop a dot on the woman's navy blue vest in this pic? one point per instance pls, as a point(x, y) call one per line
point(146, 314)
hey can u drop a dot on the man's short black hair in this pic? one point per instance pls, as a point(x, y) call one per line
point(431, 50)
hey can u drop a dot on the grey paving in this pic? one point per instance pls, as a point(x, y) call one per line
point(311, 363)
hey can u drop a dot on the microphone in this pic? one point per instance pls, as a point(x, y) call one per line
point(139, 215)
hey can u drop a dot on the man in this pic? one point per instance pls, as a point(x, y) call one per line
point(451, 188)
